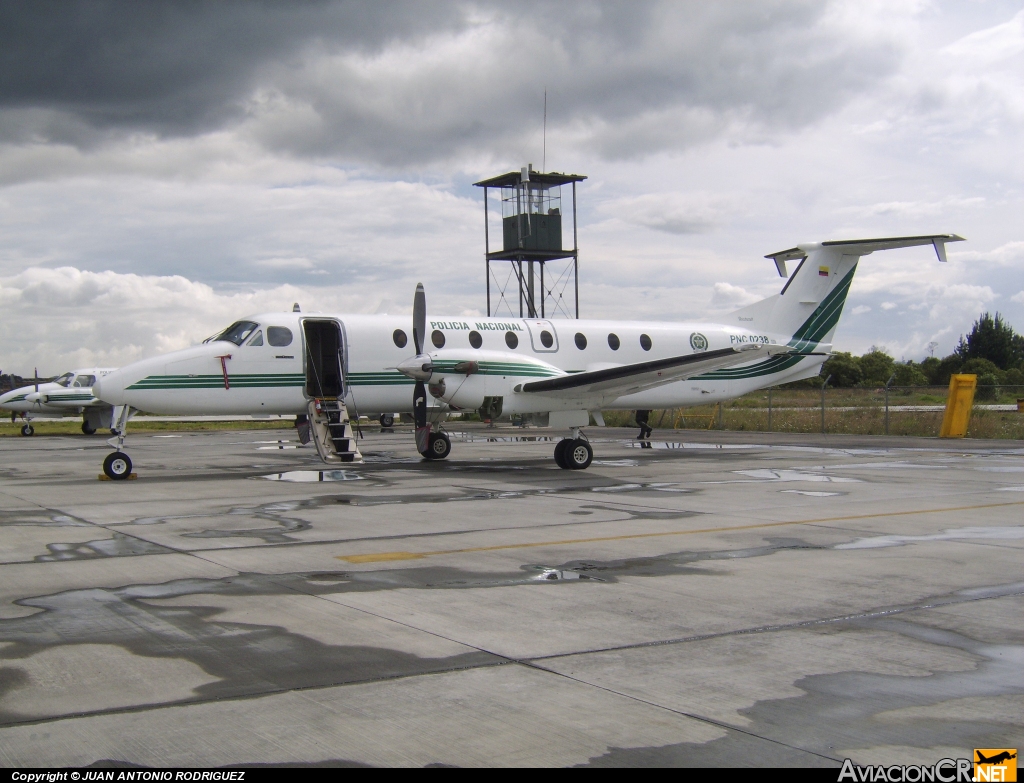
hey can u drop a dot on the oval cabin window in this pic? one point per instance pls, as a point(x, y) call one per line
point(437, 338)
point(645, 342)
point(613, 341)
point(279, 336)
point(511, 340)
point(546, 339)
point(400, 338)
point(581, 340)
point(475, 339)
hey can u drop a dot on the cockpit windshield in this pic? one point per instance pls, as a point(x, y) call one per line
point(85, 381)
point(237, 333)
point(65, 379)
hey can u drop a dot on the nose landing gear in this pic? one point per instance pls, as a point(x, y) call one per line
point(117, 466)
point(28, 429)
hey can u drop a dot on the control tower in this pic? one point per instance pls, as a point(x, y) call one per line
point(531, 238)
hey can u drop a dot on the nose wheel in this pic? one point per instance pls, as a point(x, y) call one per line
point(28, 429)
point(117, 466)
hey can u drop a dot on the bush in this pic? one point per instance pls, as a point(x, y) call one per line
point(877, 366)
point(987, 386)
point(844, 369)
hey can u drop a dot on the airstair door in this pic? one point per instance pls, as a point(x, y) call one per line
point(325, 358)
point(329, 425)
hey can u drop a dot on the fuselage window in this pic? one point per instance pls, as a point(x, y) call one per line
point(475, 339)
point(65, 379)
point(645, 342)
point(613, 341)
point(546, 339)
point(581, 340)
point(256, 340)
point(511, 340)
point(238, 332)
point(400, 338)
point(279, 336)
point(437, 338)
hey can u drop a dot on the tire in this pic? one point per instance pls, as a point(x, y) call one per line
point(27, 430)
point(117, 466)
point(560, 448)
point(439, 446)
point(87, 430)
point(578, 454)
point(387, 420)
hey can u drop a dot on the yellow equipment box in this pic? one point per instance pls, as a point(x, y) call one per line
point(958, 406)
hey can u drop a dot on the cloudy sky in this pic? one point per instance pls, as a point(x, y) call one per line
point(166, 168)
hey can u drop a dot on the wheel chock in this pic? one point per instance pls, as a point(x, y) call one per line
point(105, 477)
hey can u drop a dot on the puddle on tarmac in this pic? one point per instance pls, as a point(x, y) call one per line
point(38, 519)
point(118, 546)
point(674, 445)
point(953, 534)
point(812, 493)
point(306, 476)
point(1011, 489)
point(275, 448)
point(773, 475)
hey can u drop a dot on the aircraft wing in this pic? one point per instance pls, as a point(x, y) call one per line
point(632, 378)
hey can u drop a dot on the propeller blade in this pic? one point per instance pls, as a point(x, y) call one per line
point(419, 412)
point(419, 318)
point(35, 374)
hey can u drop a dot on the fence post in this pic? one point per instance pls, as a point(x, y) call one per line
point(720, 425)
point(888, 383)
point(769, 409)
point(829, 378)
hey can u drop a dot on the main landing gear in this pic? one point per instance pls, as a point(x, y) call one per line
point(387, 420)
point(439, 446)
point(574, 453)
point(88, 429)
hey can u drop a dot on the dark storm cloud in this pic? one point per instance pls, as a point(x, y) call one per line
point(175, 67)
point(412, 83)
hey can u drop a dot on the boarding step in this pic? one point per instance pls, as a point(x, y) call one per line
point(331, 431)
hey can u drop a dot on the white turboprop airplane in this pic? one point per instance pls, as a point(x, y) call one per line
point(324, 365)
point(69, 395)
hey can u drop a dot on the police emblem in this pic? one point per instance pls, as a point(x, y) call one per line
point(698, 342)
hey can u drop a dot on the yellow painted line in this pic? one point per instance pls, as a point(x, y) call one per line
point(380, 557)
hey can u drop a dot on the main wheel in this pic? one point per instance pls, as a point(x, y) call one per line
point(387, 420)
point(28, 429)
point(578, 454)
point(560, 448)
point(87, 430)
point(117, 466)
point(439, 446)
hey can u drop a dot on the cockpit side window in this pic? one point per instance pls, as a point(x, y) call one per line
point(65, 379)
point(279, 336)
point(84, 381)
point(257, 339)
point(238, 332)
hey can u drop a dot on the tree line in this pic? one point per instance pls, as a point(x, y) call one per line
point(992, 350)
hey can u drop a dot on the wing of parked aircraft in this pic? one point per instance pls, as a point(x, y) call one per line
point(632, 378)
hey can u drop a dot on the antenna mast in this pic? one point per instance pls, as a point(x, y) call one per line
point(544, 154)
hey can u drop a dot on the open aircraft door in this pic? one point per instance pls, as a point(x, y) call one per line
point(324, 362)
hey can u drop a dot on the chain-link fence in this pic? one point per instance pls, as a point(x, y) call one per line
point(899, 410)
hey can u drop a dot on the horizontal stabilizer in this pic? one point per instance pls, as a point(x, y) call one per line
point(862, 247)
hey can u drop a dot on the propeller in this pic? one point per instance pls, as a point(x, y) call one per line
point(35, 374)
point(419, 369)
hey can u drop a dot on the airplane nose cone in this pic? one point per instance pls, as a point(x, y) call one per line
point(109, 388)
point(97, 388)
